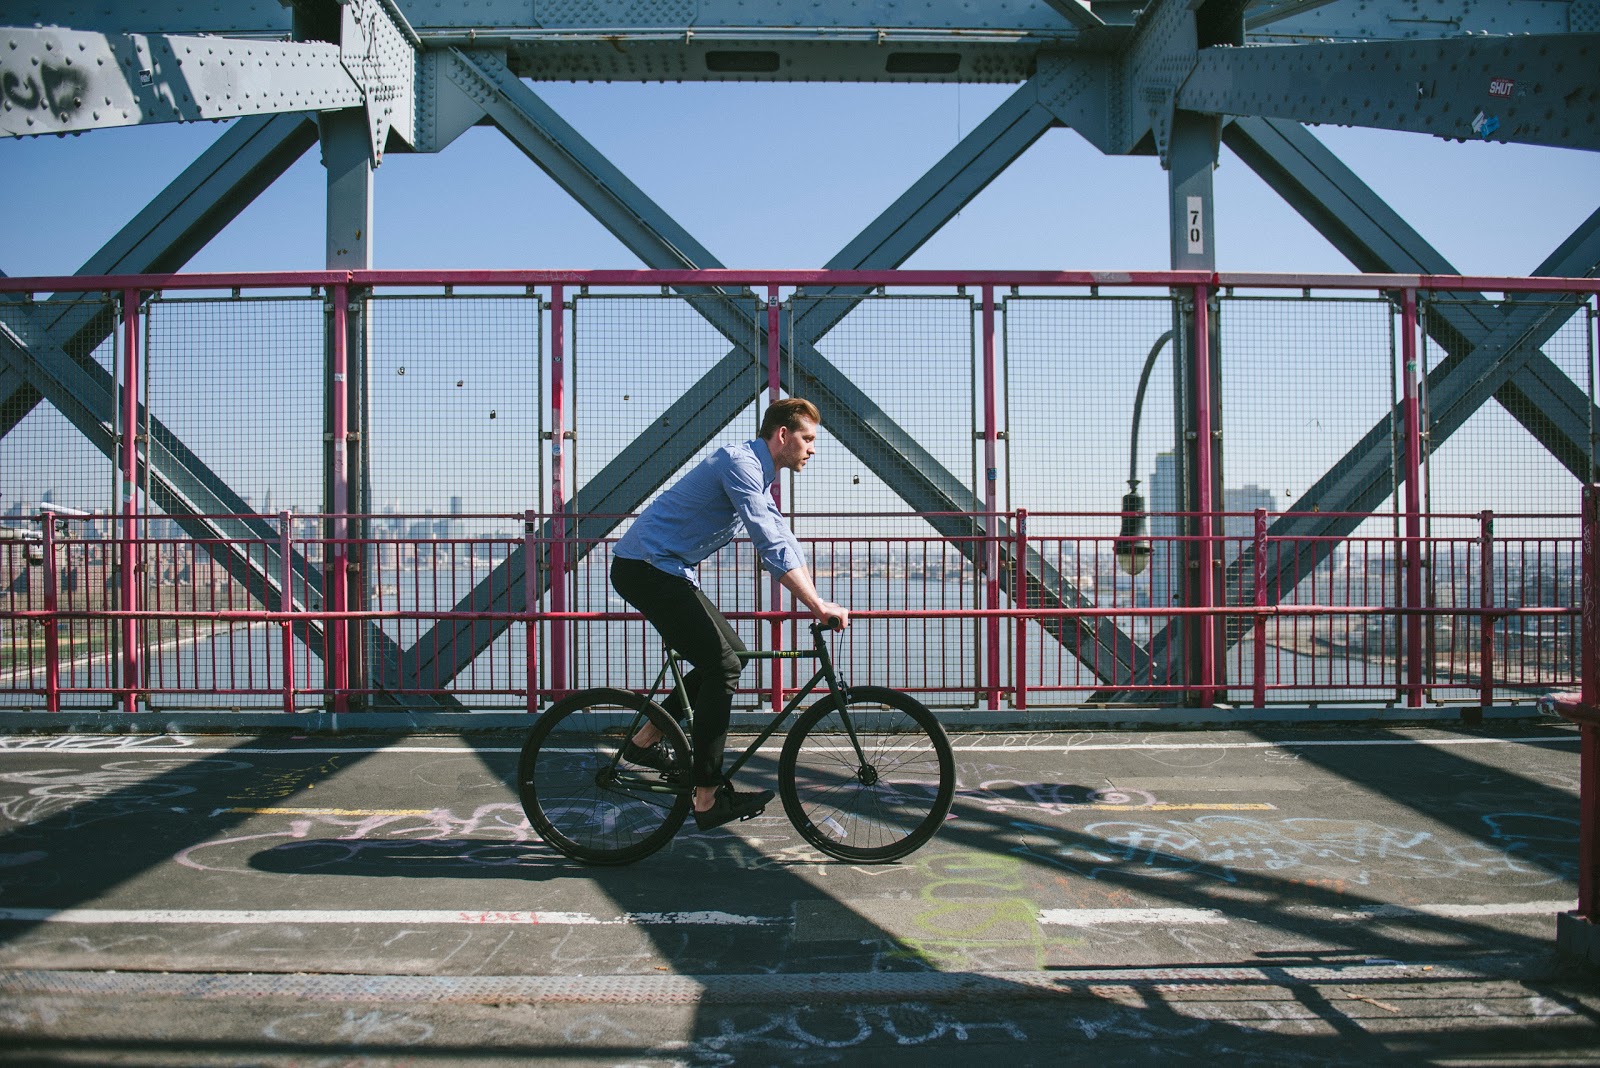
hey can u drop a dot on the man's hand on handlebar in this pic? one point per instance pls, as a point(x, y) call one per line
point(833, 616)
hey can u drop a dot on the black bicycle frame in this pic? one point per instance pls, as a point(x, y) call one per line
point(825, 670)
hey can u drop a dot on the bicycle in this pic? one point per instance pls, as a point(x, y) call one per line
point(866, 773)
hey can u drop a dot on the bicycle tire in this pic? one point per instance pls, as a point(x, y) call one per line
point(583, 800)
point(879, 810)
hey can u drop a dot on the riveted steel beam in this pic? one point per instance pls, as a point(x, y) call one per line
point(378, 48)
point(1295, 21)
point(444, 110)
point(1532, 90)
point(1154, 67)
point(56, 81)
point(722, 19)
point(481, 76)
point(1076, 13)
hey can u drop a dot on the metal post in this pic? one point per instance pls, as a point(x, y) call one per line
point(1205, 585)
point(335, 583)
point(1191, 161)
point(52, 633)
point(1589, 752)
point(1019, 598)
point(991, 540)
point(1261, 603)
point(1412, 402)
point(1486, 601)
point(286, 603)
point(130, 584)
point(558, 487)
point(773, 387)
point(530, 598)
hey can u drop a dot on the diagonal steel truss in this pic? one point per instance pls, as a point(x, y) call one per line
point(709, 405)
point(38, 343)
point(1493, 349)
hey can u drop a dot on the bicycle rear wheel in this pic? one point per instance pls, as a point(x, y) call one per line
point(869, 781)
point(582, 797)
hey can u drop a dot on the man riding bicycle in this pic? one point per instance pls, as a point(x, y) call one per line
point(656, 570)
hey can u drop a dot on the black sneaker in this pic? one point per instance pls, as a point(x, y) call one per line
point(654, 757)
point(732, 805)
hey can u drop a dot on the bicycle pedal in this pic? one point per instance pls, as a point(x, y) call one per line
point(754, 814)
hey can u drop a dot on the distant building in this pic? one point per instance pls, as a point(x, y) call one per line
point(1162, 500)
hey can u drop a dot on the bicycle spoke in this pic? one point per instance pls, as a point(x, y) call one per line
point(875, 803)
point(582, 796)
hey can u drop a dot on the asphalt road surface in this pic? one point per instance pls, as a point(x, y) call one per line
point(1268, 897)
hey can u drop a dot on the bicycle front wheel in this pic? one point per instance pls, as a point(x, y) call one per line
point(868, 781)
point(583, 797)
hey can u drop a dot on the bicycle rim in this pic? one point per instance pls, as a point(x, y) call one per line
point(581, 798)
point(881, 804)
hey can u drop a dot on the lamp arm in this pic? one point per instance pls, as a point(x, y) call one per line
point(1138, 408)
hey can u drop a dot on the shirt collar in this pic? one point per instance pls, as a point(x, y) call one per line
point(763, 452)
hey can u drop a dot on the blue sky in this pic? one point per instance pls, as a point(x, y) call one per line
point(785, 175)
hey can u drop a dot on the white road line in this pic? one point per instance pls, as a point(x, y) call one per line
point(1515, 908)
point(1287, 744)
point(1101, 917)
point(16, 745)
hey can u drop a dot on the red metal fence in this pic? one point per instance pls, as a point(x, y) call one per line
point(445, 556)
point(1503, 622)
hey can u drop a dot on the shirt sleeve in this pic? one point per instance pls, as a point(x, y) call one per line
point(779, 549)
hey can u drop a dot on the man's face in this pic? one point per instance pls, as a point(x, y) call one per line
point(792, 448)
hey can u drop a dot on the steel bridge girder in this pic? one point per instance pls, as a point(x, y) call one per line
point(1530, 90)
point(55, 80)
point(1027, 19)
point(1293, 21)
point(67, 81)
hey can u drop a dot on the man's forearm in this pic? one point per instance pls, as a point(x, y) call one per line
point(798, 582)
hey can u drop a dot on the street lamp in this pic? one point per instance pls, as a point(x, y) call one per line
point(1132, 546)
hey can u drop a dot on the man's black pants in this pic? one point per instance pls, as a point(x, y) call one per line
point(696, 630)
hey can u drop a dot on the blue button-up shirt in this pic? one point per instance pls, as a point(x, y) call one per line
point(707, 508)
